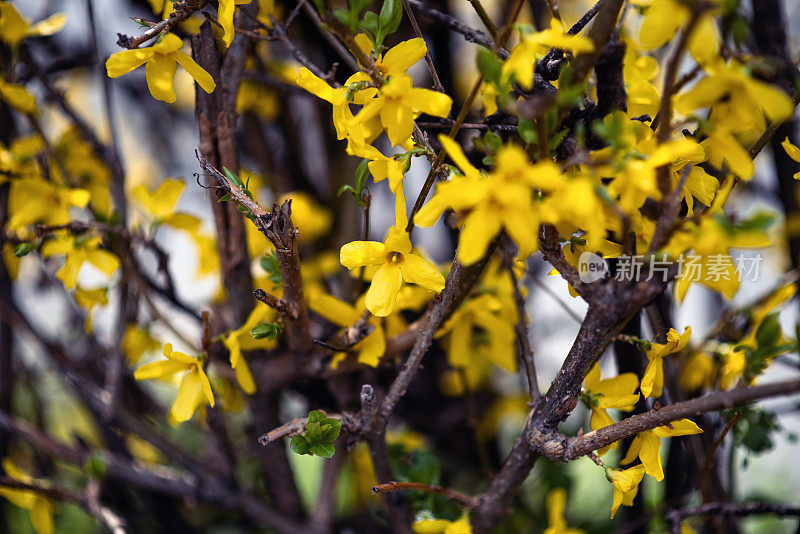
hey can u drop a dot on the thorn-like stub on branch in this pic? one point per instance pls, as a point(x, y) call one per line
point(123, 40)
point(264, 440)
point(280, 305)
point(367, 394)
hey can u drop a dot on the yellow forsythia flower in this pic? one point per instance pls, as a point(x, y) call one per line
point(533, 46)
point(161, 60)
point(626, 485)
point(647, 445)
point(14, 28)
point(77, 251)
point(653, 379)
point(610, 393)
point(195, 389)
point(396, 263)
point(241, 340)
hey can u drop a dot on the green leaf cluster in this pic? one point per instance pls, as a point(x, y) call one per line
point(321, 432)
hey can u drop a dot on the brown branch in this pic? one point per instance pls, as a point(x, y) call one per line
point(280, 32)
point(710, 456)
point(597, 439)
point(605, 20)
point(670, 210)
point(278, 228)
point(279, 305)
point(449, 493)
point(470, 34)
point(611, 304)
point(487, 21)
point(334, 42)
point(676, 516)
point(428, 59)
point(521, 327)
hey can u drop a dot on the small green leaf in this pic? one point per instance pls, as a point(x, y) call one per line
point(233, 177)
point(316, 416)
point(493, 141)
point(331, 431)
point(23, 249)
point(314, 433)
point(362, 172)
point(323, 449)
point(266, 331)
point(390, 17)
point(489, 65)
point(370, 25)
point(225, 198)
point(527, 130)
point(271, 266)
point(95, 466)
point(346, 189)
point(300, 445)
point(769, 331)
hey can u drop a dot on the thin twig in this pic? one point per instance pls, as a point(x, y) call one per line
point(428, 59)
point(450, 493)
point(710, 456)
point(182, 11)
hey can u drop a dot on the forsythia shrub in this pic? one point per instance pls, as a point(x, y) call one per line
point(338, 367)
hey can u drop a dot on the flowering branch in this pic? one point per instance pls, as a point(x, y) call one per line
point(182, 11)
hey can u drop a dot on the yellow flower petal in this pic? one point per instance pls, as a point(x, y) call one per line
point(682, 427)
point(159, 369)
point(480, 227)
point(453, 150)
point(650, 454)
point(791, 150)
point(418, 271)
point(13, 28)
point(160, 73)
point(206, 385)
point(318, 87)
point(190, 395)
point(334, 310)
point(176, 356)
point(123, 62)
point(427, 101)
point(401, 57)
point(397, 240)
point(203, 78)
point(170, 43)
point(382, 292)
point(48, 26)
point(359, 253)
